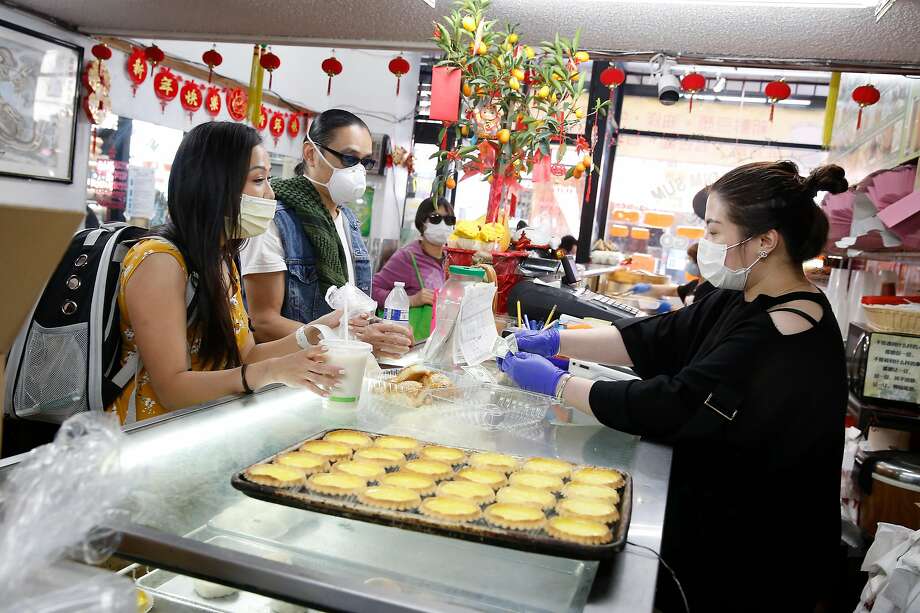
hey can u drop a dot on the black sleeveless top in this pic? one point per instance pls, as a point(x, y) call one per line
point(756, 419)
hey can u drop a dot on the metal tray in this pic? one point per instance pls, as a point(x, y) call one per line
point(535, 541)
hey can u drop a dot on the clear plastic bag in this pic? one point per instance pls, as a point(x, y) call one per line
point(350, 297)
point(53, 503)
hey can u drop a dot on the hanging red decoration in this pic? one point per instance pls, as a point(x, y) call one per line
point(166, 87)
point(612, 78)
point(294, 125)
point(270, 62)
point(276, 126)
point(399, 66)
point(213, 59)
point(154, 55)
point(865, 95)
point(102, 52)
point(237, 103)
point(776, 91)
point(190, 97)
point(137, 68)
point(212, 102)
point(332, 67)
point(263, 118)
point(97, 102)
point(693, 83)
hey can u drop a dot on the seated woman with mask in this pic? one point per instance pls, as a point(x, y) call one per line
point(194, 352)
point(420, 264)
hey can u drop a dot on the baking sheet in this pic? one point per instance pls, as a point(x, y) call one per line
point(534, 541)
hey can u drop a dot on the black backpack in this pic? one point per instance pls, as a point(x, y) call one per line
point(65, 358)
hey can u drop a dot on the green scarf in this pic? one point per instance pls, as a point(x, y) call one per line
point(319, 228)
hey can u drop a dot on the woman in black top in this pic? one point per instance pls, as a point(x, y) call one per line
point(748, 384)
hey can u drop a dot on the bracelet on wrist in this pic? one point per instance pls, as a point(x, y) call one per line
point(563, 383)
point(246, 388)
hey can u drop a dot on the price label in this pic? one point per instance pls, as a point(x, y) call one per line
point(893, 368)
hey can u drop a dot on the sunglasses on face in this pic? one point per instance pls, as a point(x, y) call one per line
point(349, 160)
point(435, 218)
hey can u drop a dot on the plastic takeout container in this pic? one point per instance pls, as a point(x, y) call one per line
point(493, 407)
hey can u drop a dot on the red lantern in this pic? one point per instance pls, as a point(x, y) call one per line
point(137, 68)
point(865, 95)
point(693, 83)
point(399, 66)
point(213, 59)
point(613, 77)
point(276, 126)
point(332, 67)
point(294, 125)
point(166, 87)
point(237, 103)
point(190, 98)
point(270, 62)
point(212, 102)
point(102, 52)
point(154, 55)
point(263, 118)
point(776, 91)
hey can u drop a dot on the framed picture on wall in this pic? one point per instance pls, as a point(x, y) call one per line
point(39, 98)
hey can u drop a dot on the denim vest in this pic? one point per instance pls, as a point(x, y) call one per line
point(304, 299)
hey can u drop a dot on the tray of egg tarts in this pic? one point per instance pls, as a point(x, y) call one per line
point(536, 504)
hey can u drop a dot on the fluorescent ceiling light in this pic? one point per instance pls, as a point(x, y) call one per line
point(747, 99)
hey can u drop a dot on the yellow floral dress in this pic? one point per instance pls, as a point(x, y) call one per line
point(147, 404)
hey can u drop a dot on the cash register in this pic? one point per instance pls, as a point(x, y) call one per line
point(538, 298)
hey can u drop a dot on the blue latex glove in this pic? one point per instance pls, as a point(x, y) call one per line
point(532, 372)
point(540, 342)
point(663, 307)
point(641, 288)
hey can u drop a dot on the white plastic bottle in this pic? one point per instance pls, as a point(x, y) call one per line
point(396, 307)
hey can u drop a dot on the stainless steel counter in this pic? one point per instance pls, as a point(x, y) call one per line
point(182, 469)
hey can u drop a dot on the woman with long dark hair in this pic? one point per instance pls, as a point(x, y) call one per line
point(180, 300)
point(749, 385)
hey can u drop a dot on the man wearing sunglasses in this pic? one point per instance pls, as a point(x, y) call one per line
point(420, 264)
point(314, 241)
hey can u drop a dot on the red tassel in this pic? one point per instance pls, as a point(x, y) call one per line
point(210, 73)
point(772, 108)
point(92, 141)
point(691, 103)
point(859, 119)
point(329, 87)
point(270, 75)
point(397, 85)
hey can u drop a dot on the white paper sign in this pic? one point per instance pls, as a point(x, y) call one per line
point(893, 368)
point(476, 324)
point(141, 192)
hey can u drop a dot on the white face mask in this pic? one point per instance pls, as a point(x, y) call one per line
point(255, 215)
point(437, 233)
point(346, 185)
point(711, 260)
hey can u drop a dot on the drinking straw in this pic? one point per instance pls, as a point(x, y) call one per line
point(520, 321)
point(527, 322)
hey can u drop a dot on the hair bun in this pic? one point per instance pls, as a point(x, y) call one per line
point(830, 178)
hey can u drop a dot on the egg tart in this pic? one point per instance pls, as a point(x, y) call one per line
point(275, 475)
point(599, 476)
point(371, 471)
point(480, 493)
point(390, 497)
point(548, 466)
point(388, 458)
point(583, 490)
point(515, 516)
point(492, 478)
point(518, 494)
point(306, 463)
point(595, 509)
point(493, 461)
point(404, 444)
point(450, 509)
point(355, 440)
point(330, 450)
point(336, 484)
point(429, 468)
point(537, 480)
point(409, 480)
point(577, 530)
point(448, 455)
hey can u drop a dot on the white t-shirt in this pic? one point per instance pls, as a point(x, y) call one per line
point(265, 253)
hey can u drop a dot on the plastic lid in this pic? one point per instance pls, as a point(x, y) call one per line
point(468, 271)
point(399, 284)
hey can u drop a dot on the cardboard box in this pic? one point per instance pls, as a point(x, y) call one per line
point(32, 241)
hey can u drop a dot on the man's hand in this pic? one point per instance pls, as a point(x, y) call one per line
point(390, 340)
point(423, 297)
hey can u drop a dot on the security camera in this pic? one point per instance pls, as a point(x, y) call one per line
point(668, 89)
point(668, 84)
